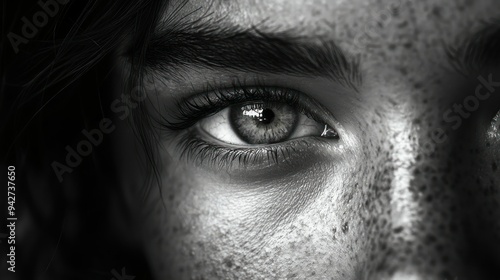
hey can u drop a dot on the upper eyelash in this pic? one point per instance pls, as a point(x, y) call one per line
point(193, 109)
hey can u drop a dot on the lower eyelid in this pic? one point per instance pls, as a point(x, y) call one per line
point(230, 158)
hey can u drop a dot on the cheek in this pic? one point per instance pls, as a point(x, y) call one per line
point(299, 224)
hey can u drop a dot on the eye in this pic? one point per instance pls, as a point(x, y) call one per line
point(261, 122)
point(242, 128)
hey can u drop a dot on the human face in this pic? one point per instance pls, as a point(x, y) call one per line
point(405, 185)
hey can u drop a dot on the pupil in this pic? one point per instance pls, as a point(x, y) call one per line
point(266, 116)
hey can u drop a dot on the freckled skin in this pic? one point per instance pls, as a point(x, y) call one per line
point(390, 203)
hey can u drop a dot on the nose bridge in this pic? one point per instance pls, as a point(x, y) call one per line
point(425, 238)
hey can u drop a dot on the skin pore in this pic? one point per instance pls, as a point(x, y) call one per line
point(386, 200)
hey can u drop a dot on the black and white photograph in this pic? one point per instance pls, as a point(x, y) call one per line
point(250, 139)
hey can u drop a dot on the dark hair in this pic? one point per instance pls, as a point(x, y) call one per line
point(53, 86)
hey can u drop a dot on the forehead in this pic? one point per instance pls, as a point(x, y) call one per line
point(393, 39)
point(351, 22)
point(390, 37)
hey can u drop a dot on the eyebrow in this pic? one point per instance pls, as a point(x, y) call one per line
point(250, 50)
point(479, 52)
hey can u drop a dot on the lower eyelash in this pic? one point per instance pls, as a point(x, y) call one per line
point(219, 157)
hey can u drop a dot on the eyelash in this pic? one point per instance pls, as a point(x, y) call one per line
point(214, 100)
point(193, 109)
point(220, 157)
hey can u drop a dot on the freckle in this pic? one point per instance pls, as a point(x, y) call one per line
point(446, 275)
point(430, 238)
point(453, 227)
point(316, 13)
point(345, 228)
point(494, 166)
point(228, 262)
point(393, 102)
point(429, 198)
point(436, 11)
point(334, 234)
point(407, 250)
point(398, 230)
point(403, 24)
point(445, 259)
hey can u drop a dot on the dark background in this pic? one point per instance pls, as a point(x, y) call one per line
point(78, 228)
